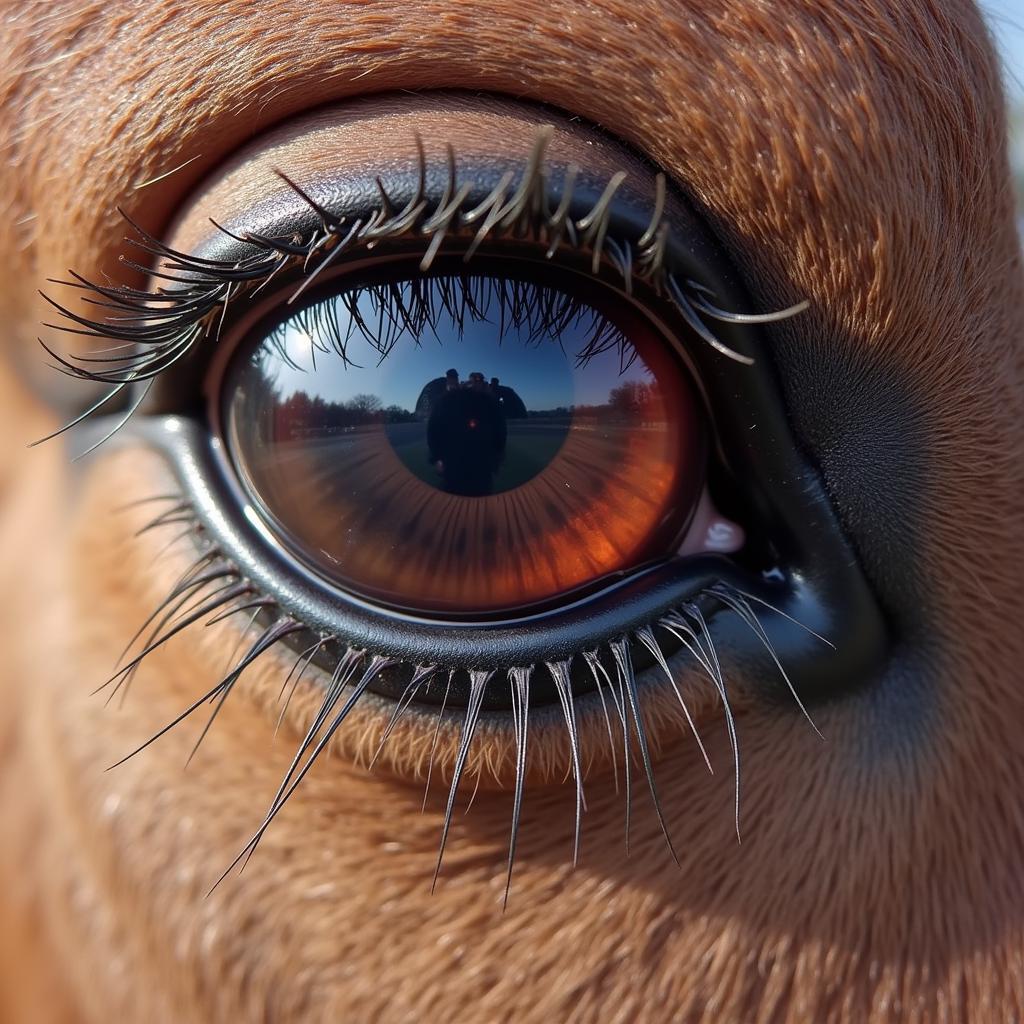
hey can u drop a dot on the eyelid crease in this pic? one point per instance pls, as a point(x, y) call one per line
point(159, 328)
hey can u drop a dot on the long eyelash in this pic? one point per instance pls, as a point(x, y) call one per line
point(157, 329)
point(211, 590)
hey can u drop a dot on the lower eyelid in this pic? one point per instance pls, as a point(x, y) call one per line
point(422, 743)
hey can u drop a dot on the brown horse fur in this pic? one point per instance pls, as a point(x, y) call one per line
point(851, 152)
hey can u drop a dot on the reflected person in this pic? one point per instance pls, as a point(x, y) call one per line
point(466, 436)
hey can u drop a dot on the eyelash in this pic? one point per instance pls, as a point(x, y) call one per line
point(417, 306)
point(184, 315)
point(158, 329)
point(212, 589)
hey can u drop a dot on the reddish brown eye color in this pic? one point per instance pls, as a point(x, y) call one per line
point(468, 443)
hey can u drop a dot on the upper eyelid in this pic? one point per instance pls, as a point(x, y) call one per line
point(198, 286)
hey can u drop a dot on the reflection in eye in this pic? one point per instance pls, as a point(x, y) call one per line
point(566, 448)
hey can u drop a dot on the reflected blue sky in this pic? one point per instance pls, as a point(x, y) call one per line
point(1006, 19)
point(539, 371)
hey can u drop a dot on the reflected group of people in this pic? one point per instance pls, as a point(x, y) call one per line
point(467, 430)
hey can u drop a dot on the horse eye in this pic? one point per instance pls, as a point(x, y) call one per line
point(467, 443)
point(479, 431)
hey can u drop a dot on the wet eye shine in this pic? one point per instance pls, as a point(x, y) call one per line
point(467, 443)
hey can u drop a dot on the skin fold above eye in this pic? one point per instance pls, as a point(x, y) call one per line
point(852, 154)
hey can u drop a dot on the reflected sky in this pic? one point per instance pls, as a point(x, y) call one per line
point(540, 369)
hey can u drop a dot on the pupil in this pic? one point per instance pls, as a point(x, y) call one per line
point(466, 444)
point(473, 436)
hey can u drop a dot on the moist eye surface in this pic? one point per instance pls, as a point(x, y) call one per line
point(467, 443)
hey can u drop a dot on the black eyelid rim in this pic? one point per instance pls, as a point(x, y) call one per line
point(823, 589)
point(636, 603)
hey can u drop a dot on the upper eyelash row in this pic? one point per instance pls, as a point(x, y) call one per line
point(157, 329)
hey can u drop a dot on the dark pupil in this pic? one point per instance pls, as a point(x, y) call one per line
point(466, 444)
point(467, 436)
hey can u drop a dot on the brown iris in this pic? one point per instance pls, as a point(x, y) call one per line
point(468, 443)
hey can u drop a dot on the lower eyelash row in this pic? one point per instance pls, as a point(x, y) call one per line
point(212, 590)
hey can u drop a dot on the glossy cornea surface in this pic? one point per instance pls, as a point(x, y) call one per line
point(467, 442)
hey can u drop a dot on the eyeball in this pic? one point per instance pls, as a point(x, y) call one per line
point(467, 443)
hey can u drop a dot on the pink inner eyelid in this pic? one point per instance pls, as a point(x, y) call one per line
point(711, 532)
